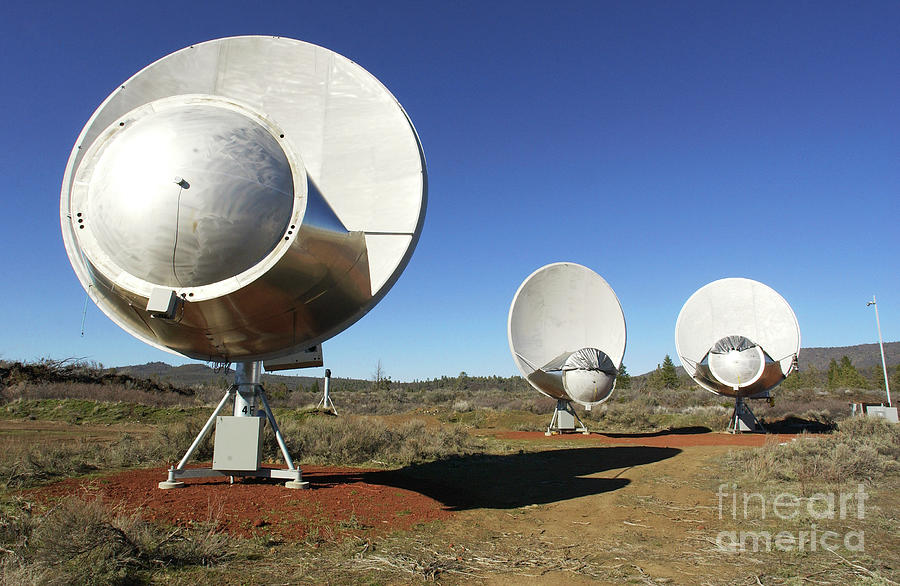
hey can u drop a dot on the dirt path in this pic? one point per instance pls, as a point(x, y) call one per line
point(612, 513)
point(649, 526)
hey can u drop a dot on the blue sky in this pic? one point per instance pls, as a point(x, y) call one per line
point(662, 144)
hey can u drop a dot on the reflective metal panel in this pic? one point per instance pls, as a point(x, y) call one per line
point(184, 194)
point(737, 337)
point(566, 333)
point(276, 187)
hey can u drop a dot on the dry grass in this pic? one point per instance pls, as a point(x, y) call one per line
point(24, 466)
point(94, 392)
point(83, 541)
point(343, 440)
point(863, 449)
point(358, 440)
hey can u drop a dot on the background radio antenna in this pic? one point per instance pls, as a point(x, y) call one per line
point(726, 336)
point(566, 332)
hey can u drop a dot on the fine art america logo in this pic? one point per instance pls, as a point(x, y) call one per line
point(821, 507)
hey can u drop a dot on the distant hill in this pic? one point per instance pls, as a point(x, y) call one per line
point(183, 376)
point(862, 356)
point(190, 375)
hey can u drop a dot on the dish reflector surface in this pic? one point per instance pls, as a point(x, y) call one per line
point(566, 333)
point(276, 188)
point(185, 195)
point(737, 337)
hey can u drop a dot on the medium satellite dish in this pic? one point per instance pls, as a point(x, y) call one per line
point(566, 333)
point(243, 200)
point(738, 338)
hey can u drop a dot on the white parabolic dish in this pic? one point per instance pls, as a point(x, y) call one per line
point(558, 311)
point(276, 188)
point(737, 337)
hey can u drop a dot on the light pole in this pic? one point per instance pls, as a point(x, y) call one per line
point(887, 385)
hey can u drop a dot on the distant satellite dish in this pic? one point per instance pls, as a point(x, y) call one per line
point(566, 333)
point(243, 200)
point(738, 338)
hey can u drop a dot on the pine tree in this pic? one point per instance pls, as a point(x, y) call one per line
point(811, 378)
point(849, 376)
point(669, 377)
point(623, 378)
point(877, 378)
point(895, 379)
point(834, 374)
point(794, 381)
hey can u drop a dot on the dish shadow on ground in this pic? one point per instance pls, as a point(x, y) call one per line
point(513, 480)
point(794, 424)
point(697, 429)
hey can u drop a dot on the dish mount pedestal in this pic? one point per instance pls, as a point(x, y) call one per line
point(239, 439)
point(564, 418)
point(743, 419)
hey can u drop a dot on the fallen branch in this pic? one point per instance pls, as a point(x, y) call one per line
point(863, 569)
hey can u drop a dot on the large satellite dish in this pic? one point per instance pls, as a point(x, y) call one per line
point(738, 338)
point(566, 333)
point(243, 200)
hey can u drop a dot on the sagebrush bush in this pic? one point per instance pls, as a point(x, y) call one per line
point(23, 467)
point(86, 542)
point(862, 449)
point(357, 440)
point(329, 440)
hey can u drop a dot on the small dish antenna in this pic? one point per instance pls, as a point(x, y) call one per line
point(566, 333)
point(738, 338)
point(241, 201)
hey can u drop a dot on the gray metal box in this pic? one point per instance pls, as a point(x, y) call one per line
point(309, 358)
point(565, 420)
point(238, 444)
point(888, 413)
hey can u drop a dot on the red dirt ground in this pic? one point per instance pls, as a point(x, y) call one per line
point(339, 502)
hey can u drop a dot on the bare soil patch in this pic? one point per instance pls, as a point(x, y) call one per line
point(339, 502)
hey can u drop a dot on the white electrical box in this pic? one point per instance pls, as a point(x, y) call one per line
point(238, 444)
point(162, 303)
point(888, 413)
